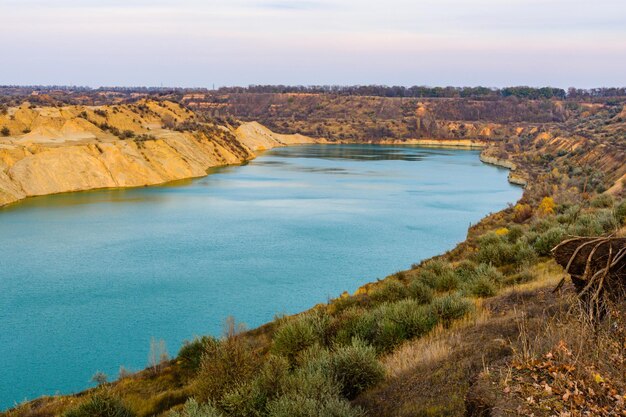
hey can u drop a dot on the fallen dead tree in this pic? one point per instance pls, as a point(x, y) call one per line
point(597, 267)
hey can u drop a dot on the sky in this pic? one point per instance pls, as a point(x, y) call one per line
point(205, 43)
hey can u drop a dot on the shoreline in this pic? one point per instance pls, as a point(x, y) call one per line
point(264, 325)
point(270, 141)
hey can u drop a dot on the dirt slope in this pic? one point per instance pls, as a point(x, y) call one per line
point(74, 148)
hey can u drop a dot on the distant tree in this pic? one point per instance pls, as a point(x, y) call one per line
point(100, 378)
point(158, 354)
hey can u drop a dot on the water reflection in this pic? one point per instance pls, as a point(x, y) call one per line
point(359, 152)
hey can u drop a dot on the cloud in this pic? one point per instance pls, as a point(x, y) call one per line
point(195, 42)
point(294, 5)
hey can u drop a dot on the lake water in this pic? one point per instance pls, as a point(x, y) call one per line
point(86, 279)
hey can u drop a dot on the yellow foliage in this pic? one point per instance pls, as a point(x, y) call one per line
point(502, 231)
point(522, 212)
point(361, 290)
point(546, 206)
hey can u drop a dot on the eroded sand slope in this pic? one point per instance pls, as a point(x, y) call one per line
point(74, 148)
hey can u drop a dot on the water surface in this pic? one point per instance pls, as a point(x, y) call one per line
point(86, 279)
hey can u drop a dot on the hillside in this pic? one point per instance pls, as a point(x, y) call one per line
point(47, 150)
point(478, 331)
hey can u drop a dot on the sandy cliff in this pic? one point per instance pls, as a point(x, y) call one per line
point(52, 150)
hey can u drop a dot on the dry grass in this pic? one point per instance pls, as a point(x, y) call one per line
point(434, 347)
point(432, 376)
point(565, 366)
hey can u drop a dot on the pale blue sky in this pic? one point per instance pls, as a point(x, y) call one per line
point(238, 42)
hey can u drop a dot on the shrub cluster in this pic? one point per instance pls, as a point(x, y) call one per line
point(101, 404)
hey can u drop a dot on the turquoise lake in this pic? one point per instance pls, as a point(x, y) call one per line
point(87, 279)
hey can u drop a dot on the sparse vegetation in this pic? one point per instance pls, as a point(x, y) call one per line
point(101, 404)
point(420, 341)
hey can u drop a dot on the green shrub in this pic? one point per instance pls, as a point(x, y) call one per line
point(451, 307)
point(496, 250)
point(101, 404)
point(439, 275)
point(620, 213)
point(515, 233)
point(569, 215)
point(548, 240)
point(465, 270)
point(250, 399)
point(355, 368)
point(302, 406)
point(543, 224)
point(523, 254)
point(483, 281)
point(389, 290)
point(299, 333)
point(586, 225)
point(447, 281)
point(602, 201)
point(193, 409)
point(607, 220)
point(190, 353)
point(420, 292)
point(413, 319)
point(488, 272)
point(389, 324)
point(224, 365)
point(481, 287)
point(437, 266)
point(317, 387)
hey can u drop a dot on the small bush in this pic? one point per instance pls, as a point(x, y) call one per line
point(356, 368)
point(607, 220)
point(301, 406)
point(224, 364)
point(515, 233)
point(481, 287)
point(522, 212)
point(439, 275)
point(101, 404)
point(620, 213)
point(193, 409)
point(488, 272)
point(546, 207)
point(251, 399)
point(420, 292)
point(548, 240)
point(569, 215)
point(484, 281)
point(451, 307)
point(318, 386)
point(299, 333)
point(389, 324)
point(497, 250)
point(127, 134)
point(5, 131)
point(389, 290)
point(190, 353)
point(586, 225)
point(602, 201)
